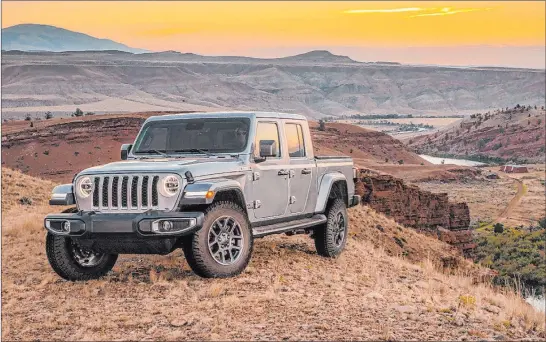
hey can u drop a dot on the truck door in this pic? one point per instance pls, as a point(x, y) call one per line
point(301, 167)
point(270, 177)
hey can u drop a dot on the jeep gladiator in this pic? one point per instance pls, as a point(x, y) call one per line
point(209, 183)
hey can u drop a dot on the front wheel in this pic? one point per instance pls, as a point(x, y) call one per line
point(72, 262)
point(223, 246)
point(331, 237)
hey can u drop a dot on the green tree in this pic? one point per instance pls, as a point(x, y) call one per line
point(542, 222)
point(498, 228)
point(78, 112)
point(322, 125)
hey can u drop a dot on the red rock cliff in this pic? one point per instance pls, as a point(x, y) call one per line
point(413, 207)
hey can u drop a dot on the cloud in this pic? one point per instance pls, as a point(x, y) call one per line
point(393, 10)
point(449, 11)
point(425, 12)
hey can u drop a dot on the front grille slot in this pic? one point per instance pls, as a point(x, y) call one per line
point(134, 192)
point(105, 182)
point(145, 191)
point(155, 198)
point(115, 192)
point(96, 192)
point(125, 192)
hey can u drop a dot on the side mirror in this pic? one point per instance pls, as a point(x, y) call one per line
point(268, 148)
point(125, 149)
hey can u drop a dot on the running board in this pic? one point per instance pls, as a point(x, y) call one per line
point(284, 227)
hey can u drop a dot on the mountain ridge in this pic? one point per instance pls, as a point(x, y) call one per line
point(39, 37)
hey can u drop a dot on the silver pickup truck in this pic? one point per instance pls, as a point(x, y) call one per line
point(209, 183)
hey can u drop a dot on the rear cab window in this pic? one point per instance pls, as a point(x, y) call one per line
point(295, 140)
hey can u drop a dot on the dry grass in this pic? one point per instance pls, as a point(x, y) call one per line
point(372, 291)
point(16, 186)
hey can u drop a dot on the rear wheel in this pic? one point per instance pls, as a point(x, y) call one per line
point(331, 237)
point(223, 246)
point(72, 262)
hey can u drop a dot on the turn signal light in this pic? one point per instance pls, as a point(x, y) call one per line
point(209, 194)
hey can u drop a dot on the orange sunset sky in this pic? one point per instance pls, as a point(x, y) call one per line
point(459, 33)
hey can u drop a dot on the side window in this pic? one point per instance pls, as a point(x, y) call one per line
point(267, 131)
point(294, 138)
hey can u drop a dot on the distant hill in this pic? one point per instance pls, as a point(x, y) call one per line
point(318, 56)
point(510, 134)
point(34, 37)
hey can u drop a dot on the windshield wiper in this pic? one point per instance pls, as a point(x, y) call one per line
point(163, 154)
point(195, 150)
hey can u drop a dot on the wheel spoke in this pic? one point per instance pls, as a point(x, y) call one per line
point(338, 229)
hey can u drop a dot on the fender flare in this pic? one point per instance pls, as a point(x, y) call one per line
point(325, 187)
point(195, 193)
point(62, 195)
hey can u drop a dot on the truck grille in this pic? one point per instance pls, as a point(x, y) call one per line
point(125, 192)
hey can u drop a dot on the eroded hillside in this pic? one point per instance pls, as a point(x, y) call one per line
point(57, 149)
point(313, 84)
point(510, 134)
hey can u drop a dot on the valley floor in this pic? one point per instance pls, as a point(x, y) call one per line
point(514, 199)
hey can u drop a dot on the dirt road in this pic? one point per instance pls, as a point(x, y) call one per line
point(514, 202)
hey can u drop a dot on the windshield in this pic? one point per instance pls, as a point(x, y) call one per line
point(203, 135)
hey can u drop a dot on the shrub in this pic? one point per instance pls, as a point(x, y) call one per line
point(322, 125)
point(401, 161)
point(78, 112)
point(497, 146)
point(28, 117)
point(498, 228)
point(468, 301)
point(46, 152)
point(25, 201)
point(48, 115)
point(76, 153)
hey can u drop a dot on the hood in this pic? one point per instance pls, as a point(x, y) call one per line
point(197, 166)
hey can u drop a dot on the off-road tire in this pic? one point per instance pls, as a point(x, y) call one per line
point(196, 247)
point(325, 234)
point(64, 264)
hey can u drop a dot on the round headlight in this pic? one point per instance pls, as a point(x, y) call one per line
point(171, 185)
point(85, 187)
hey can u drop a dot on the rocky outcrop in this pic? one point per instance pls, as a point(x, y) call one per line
point(413, 207)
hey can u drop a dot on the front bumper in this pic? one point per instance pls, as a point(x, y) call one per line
point(90, 225)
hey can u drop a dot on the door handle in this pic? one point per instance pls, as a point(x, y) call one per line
point(305, 171)
point(283, 172)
